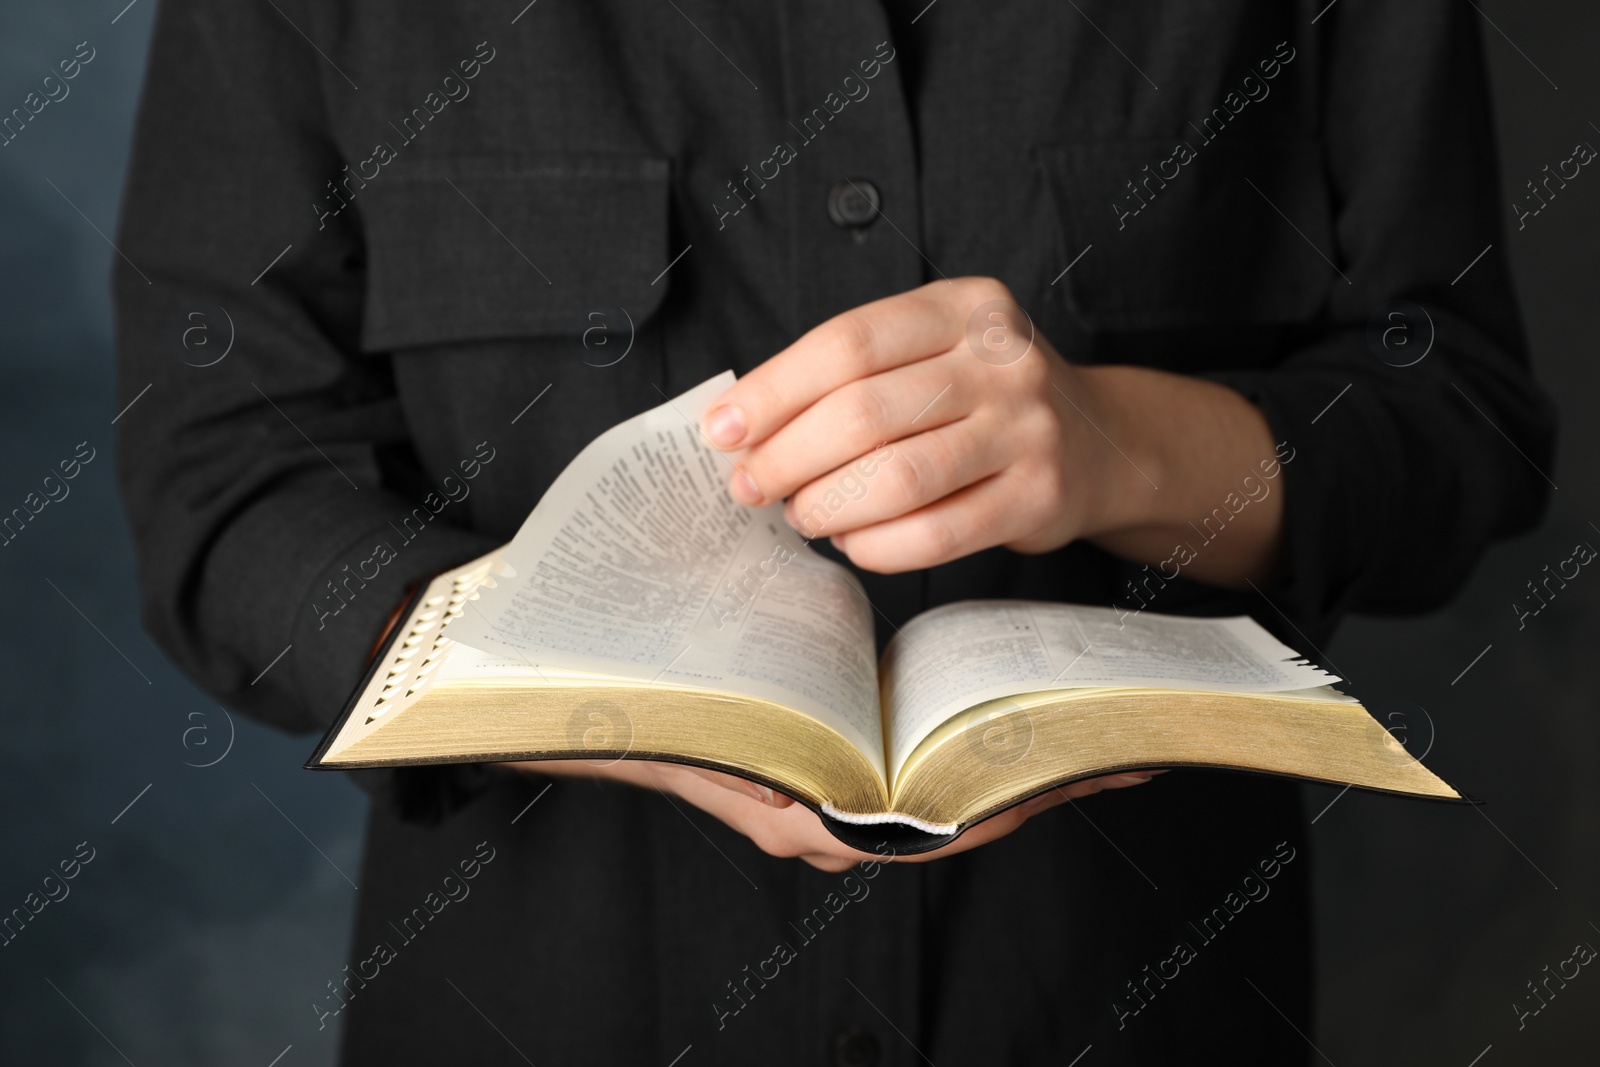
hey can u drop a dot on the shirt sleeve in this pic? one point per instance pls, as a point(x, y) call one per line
point(1403, 474)
point(261, 456)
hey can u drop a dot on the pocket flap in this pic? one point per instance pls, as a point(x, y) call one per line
point(1237, 234)
point(475, 249)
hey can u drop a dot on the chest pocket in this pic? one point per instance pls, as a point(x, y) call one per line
point(467, 249)
point(1235, 235)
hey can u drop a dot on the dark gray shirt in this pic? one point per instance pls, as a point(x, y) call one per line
point(1220, 189)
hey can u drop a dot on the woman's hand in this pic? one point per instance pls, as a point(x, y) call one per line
point(780, 827)
point(929, 425)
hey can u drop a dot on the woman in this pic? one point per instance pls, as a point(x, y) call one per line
point(1088, 268)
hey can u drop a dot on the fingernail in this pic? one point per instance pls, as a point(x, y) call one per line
point(762, 793)
point(725, 426)
point(744, 488)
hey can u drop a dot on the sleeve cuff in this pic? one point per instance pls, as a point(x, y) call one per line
point(1341, 478)
point(336, 636)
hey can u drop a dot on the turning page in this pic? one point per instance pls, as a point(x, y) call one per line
point(636, 563)
point(954, 657)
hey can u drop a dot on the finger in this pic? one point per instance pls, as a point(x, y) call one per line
point(1123, 781)
point(1088, 787)
point(847, 424)
point(788, 832)
point(861, 342)
point(742, 786)
point(828, 863)
point(982, 515)
point(906, 476)
point(798, 832)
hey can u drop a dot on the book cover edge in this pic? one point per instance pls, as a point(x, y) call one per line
point(354, 700)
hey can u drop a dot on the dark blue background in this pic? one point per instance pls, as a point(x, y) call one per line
point(218, 906)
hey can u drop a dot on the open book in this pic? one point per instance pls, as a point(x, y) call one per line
point(641, 613)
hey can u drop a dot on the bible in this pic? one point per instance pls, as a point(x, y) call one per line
point(640, 613)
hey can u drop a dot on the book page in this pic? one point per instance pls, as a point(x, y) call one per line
point(464, 664)
point(957, 656)
point(637, 564)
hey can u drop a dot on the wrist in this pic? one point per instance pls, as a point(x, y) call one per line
point(1202, 444)
point(1123, 465)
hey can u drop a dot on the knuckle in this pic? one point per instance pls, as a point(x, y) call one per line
point(854, 342)
point(927, 472)
point(938, 539)
point(981, 290)
point(1053, 481)
point(1023, 430)
point(772, 843)
point(864, 407)
point(1049, 491)
point(1033, 372)
point(997, 289)
point(909, 476)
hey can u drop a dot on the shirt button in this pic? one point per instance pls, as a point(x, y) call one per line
point(855, 1047)
point(853, 203)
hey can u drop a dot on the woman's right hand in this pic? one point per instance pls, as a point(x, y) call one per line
point(780, 827)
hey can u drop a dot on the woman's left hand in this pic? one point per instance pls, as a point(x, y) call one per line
point(920, 428)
